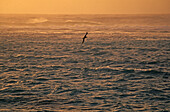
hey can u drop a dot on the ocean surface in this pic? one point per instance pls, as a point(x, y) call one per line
point(123, 66)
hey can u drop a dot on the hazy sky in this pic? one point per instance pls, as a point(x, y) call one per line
point(85, 6)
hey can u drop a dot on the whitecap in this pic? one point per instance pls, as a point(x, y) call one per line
point(38, 20)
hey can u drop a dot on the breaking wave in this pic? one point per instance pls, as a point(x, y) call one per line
point(38, 20)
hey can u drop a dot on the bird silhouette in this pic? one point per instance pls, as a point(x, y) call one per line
point(85, 36)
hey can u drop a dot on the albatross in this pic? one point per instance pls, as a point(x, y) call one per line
point(85, 36)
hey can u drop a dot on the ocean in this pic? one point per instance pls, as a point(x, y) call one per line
point(123, 65)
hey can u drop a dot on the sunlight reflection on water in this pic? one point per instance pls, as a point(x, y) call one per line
point(112, 71)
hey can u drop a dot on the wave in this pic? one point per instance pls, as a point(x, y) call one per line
point(37, 20)
point(83, 22)
point(121, 70)
point(152, 72)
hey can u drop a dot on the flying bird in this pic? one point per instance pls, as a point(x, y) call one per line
point(85, 36)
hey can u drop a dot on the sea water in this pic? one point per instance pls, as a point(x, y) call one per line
point(123, 66)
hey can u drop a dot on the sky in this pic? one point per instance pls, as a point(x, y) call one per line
point(84, 6)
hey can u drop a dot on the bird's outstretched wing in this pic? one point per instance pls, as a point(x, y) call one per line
point(83, 41)
point(84, 37)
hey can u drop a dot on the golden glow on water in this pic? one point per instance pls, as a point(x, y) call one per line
point(122, 66)
point(84, 6)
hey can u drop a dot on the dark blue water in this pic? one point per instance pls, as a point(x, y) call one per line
point(121, 67)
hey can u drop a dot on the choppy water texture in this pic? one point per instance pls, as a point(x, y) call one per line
point(122, 67)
